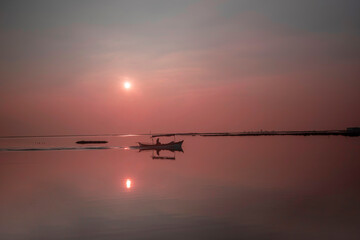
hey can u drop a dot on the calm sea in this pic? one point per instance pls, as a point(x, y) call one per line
point(219, 188)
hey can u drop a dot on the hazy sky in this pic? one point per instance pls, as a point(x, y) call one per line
point(193, 65)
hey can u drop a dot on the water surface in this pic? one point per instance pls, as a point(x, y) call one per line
point(219, 188)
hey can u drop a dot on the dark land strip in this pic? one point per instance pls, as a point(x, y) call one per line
point(349, 132)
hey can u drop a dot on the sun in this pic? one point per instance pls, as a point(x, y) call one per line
point(127, 85)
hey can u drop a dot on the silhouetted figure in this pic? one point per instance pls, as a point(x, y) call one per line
point(158, 142)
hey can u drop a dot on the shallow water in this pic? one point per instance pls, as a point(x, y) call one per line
point(219, 188)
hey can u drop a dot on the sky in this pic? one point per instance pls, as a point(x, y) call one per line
point(194, 66)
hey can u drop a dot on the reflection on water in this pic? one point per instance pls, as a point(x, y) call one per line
point(128, 183)
point(220, 188)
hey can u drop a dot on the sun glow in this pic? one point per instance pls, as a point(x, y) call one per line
point(127, 85)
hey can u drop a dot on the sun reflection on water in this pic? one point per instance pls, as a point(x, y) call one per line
point(128, 183)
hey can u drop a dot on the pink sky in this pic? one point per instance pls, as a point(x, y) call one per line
point(194, 66)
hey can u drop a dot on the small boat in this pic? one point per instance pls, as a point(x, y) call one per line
point(91, 142)
point(172, 146)
point(163, 158)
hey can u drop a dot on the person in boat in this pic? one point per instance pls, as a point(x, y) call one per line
point(158, 141)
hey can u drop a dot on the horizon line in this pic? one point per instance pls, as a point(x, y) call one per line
point(162, 134)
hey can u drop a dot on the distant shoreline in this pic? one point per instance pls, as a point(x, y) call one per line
point(349, 132)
